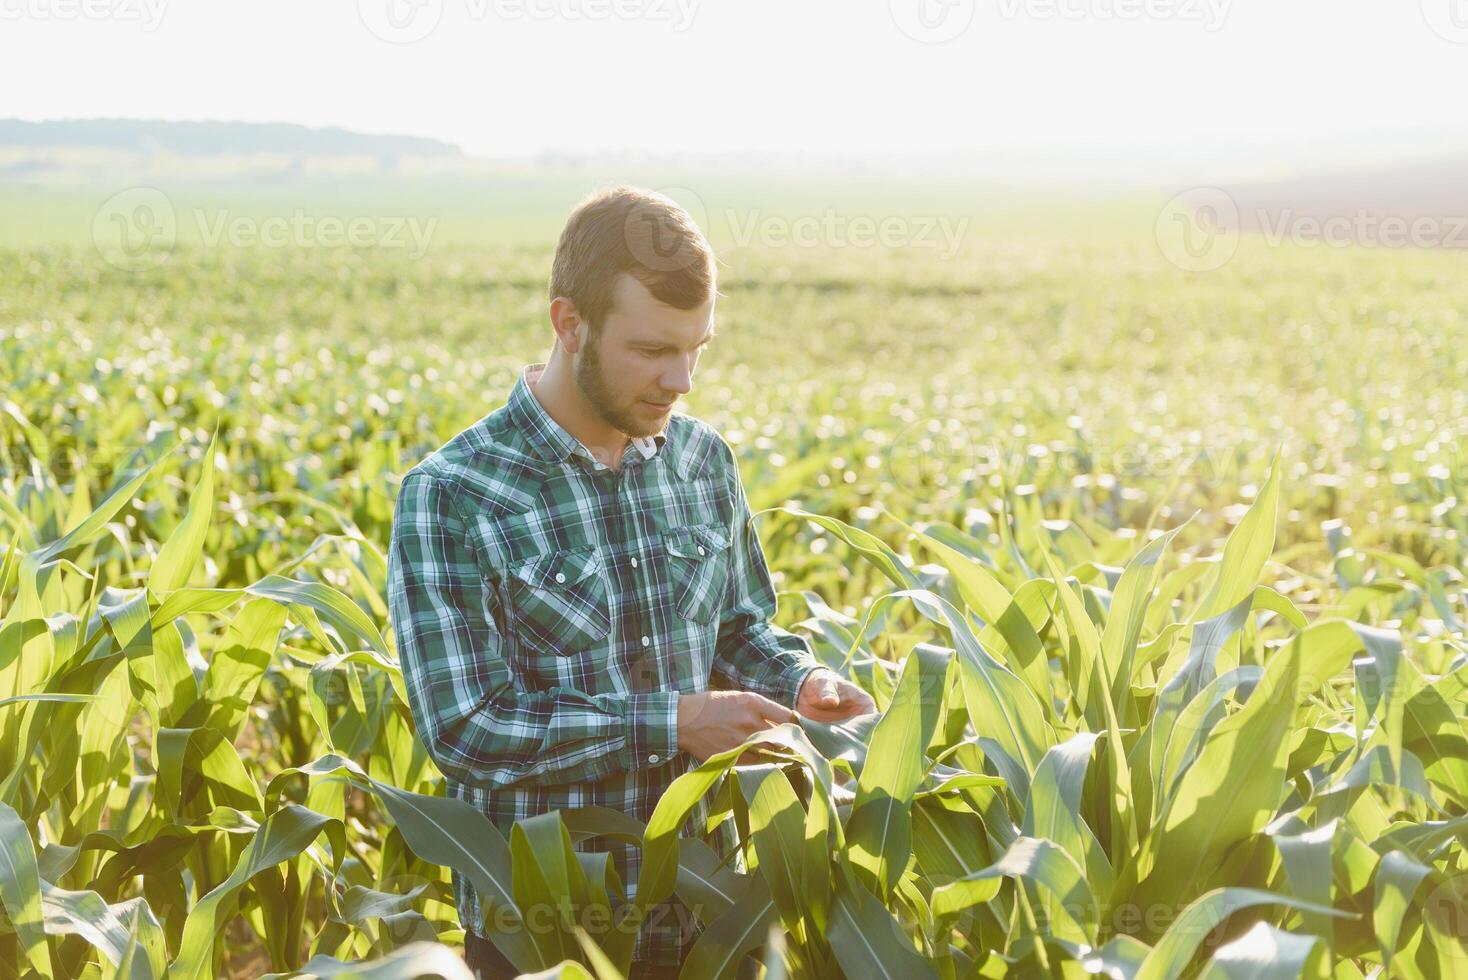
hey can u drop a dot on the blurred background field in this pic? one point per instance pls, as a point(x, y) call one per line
point(1046, 352)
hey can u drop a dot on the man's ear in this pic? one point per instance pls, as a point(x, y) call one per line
point(567, 323)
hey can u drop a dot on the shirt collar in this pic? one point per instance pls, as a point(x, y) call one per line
point(546, 435)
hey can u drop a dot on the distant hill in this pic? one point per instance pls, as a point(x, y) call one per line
point(1416, 202)
point(212, 138)
point(1417, 187)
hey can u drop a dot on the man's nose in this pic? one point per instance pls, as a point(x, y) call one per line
point(678, 380)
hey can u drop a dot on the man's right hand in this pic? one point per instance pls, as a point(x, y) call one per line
point(717, 721)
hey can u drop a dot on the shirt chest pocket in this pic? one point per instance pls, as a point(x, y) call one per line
point(560, 601)
point(698, 570)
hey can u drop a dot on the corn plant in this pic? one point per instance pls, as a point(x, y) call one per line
point(1079, 766)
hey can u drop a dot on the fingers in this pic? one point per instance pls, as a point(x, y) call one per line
point(771, 710)
point(850, 698)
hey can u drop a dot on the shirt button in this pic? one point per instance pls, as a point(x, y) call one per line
point(560, 576)
point(653, 758)
point(634, 561)
point(646, 640)
point(700, 549)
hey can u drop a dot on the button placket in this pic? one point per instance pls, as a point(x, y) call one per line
point(648, 676)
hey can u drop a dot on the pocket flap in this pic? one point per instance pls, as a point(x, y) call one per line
point(695, 541)
point(559, 570)
point(712, 536)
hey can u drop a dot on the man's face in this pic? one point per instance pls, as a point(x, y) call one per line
point(642, 359)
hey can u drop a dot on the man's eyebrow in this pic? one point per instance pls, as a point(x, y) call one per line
point(659, 345)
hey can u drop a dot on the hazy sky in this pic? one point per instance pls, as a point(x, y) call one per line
point(517, 76)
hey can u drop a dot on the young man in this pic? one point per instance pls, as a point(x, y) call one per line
point(581, 605)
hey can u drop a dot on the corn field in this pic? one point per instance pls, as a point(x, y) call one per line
point(1165, 623)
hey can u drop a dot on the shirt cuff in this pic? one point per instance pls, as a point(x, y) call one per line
point(652, 733)
point(785, 685)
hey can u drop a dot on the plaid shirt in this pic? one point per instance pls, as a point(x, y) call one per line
point(549, 610)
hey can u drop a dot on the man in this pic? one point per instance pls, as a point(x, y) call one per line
point(581, 605)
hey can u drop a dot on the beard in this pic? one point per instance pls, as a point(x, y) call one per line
point(592, 381)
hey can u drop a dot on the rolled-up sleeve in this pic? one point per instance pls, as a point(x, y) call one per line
point(477, 724)
point(754, 654)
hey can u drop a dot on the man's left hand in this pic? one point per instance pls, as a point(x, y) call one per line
point(828, 697)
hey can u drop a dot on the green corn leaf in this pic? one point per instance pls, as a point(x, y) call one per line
point(341, 612)
point(185, 546)
point(1228, 794)
point(1185, 934)
point(879, 833)
point(731, 936)
point(1397, 880)
point(283, 835)
point(20, 891)
point(864, 543)
point(1307, 856)
point(546, 873)
point(867, 941)
point(1268, 953)
point(1038, 862)
point(705, 881)
point(112, 929)
point(1090, 666)
point(1123, 628)
point(1246, 551)
point(1053, 809)
point(409, 962)
point(777, 828)
point(96, 522)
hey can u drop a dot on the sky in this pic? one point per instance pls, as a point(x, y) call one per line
point(517, 77)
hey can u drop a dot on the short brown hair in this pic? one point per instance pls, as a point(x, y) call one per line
point(628, 229)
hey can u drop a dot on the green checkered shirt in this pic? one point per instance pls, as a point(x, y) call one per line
point(549, 610)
